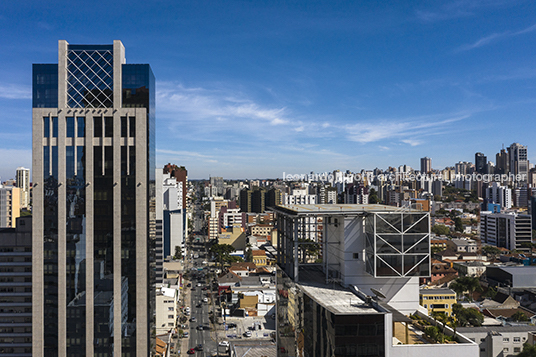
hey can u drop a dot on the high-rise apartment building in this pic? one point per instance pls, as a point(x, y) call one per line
point(519, 165)
point(481, 163)
point(502, 163)
point(426, 165)
point(93, 203)
point(508, 230)
point(9, 206)
point(16, 289)
point(23, 183)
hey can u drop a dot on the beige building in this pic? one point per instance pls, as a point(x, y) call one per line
point(262, 229)
point(9, 206)
point(23, 183)
point(234, 236)
point(166, 311)
point(259, 257)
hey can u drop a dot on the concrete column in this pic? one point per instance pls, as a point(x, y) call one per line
point(62, 236)
point(38, 302)
point(62, 73)
point(142, 234)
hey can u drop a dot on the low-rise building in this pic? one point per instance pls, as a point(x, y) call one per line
point(437, 300)
point(498, 341)
point(165, 309)
point(259, 257)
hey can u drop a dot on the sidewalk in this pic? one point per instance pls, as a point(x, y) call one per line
point(186, 297)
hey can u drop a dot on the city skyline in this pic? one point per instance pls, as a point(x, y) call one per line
point(252, 90)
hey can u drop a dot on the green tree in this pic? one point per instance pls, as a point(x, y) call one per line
point(491, 251)
point(528, 351)
point(309, 248)
point(373, 196)
point(178, 252)
point(458, 225)
point(443, 318)
point(441, 230)
point(466, 283)
point(222, 253)
point(466, 317)
point(519, 317)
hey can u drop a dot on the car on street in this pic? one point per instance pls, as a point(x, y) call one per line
point(198, 305)
point(193, 319)
point(205, 300)
point(199, 347)
point(231, 325)
point(200, 327)
point(185, 334)
point(204, 288)
point(191, 351)
point(247, 334)
point(224, 344)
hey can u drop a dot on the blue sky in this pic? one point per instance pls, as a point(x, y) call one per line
point(252, 89)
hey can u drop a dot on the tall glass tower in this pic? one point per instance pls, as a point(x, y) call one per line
point(93, 203)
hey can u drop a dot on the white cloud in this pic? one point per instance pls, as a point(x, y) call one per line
point(401, 129)
point(15, 91)
point(495, 37)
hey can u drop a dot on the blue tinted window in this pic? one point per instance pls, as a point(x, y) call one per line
point(54, 127)
point(70, 127)
point(45, 86)
point(81, 122)
point(46, 127)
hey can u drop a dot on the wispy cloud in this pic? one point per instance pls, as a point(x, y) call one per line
point(200, 103)
point(15, 91)
point(403, 130)
point(456, 9)
point(496, 37)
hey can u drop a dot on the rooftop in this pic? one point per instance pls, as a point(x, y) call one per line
point(436, 291)
point(333, 297)
point(323, 209)
point(463, 330)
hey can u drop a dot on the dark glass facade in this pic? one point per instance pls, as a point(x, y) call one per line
point(45, 86)
point(50, 249)
point(88, 178)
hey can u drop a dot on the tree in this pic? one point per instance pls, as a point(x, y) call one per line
point(528, 351)
point(491, 250)
point(309, 248)
point(178, 252)
point(222, 252)
point(441, 230)
point(373, 197)
point(443, 318)
point(458, 225)
point(465, 317)
point(519, 317)
point(466, 283)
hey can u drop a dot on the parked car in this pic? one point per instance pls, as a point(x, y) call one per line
point(231, 325)
point(224, 343)
point(247, 334)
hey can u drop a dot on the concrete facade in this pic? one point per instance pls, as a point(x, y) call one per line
point(125, 133)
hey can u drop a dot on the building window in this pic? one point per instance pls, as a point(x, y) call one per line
point(356, 255)
point(505, 349)
point(517, 349)
point(170, 316)
point(506, 339)
point(517, 339)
